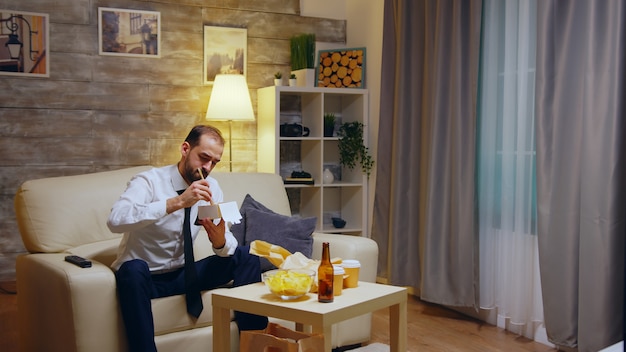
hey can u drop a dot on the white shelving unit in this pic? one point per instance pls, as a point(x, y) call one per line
point(346, 197)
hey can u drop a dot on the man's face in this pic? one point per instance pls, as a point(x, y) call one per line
point(204, 156)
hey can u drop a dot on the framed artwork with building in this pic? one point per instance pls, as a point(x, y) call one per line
point(24, 44)
point(134, 33)
point(225, 52)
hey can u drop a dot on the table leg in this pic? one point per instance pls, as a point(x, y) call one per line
point(397, 327)
point(221, 329)
point(327, 331)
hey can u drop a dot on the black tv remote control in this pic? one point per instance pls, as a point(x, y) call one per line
point(79, 261)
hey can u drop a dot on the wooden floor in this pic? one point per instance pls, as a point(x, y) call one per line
point(430, 328)
point(8, 317)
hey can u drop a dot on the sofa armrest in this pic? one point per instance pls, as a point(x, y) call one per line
point(350, 247)
point(66, 308)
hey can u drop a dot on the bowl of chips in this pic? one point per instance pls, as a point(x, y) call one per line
point(289, 284)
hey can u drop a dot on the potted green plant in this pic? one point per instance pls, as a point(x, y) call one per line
point(329, 124)
point(303, 58)
point(278, 79)
point(292, 80)
point(352, 149)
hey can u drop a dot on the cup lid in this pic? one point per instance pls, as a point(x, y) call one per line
point(338, 270)
point(351, 263)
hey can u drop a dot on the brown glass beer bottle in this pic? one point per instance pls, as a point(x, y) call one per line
point(325, 276)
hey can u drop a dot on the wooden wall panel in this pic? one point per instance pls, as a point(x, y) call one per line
point(273, 25)
point(37, 123)
point(97, 113)
point(49, 94)
point(72, 38)
point(70, 11)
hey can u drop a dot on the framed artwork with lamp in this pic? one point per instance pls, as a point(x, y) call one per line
point(24, 44)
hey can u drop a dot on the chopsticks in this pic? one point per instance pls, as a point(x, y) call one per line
point(202, 176)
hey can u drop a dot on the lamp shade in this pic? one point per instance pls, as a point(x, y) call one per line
point(230, 99)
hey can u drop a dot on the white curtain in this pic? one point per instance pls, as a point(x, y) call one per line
point(509, 269)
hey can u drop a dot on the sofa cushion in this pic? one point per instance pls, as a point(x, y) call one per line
point(58, 213)
point(264, 187)
point(170, 314)
point(239, 230)
point(104, 252)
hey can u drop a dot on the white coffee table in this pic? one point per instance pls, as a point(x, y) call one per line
point(256, 299)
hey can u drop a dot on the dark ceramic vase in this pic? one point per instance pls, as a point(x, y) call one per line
point(329, 130)
point(339, 223)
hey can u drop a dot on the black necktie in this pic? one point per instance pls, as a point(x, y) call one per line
point(192, 289)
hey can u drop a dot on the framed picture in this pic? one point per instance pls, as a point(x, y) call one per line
point(129, 32)
point(341, 68)
point(225, 51)
point(24, 44)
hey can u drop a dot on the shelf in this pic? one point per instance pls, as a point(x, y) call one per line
point(346, 197)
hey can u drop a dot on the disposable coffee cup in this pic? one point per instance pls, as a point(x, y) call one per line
point(339, 273)
point(351, 267)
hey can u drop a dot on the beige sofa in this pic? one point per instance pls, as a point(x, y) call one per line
point(66, 308)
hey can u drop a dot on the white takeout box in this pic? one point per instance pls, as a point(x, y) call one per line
point(228, 211)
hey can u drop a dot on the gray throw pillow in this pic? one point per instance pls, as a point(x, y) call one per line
point(291, 233)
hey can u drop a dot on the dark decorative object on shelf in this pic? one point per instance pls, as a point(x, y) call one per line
point(293, 130)
point(352, 148)
point(329, 124)
point(339, 223)
point(299, 178)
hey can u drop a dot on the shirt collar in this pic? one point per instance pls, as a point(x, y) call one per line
point(178, 182)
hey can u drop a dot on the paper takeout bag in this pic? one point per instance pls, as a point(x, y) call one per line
point(280, 339)
point(283, 259)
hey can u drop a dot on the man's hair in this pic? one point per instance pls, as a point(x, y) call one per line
point(193, 138)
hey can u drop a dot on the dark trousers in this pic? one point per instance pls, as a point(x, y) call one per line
point(136, 286)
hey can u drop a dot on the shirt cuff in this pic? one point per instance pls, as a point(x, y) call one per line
point(229, 247)
point(158, 209)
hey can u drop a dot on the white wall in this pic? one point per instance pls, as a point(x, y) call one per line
point(365, 28)
point(364, 20)
point(335, 9)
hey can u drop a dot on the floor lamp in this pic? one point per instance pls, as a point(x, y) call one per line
point(230, 101)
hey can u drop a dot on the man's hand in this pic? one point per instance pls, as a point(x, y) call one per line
point(198, 190)
point(217, 233)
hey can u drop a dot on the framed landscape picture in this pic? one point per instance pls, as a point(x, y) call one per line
point(341, 68)
point(225, 51)
point(24, 44)
point(133, 33)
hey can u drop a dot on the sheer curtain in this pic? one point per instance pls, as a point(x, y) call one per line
point(509, 268)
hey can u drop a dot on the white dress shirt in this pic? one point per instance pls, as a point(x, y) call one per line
point(150, 233)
